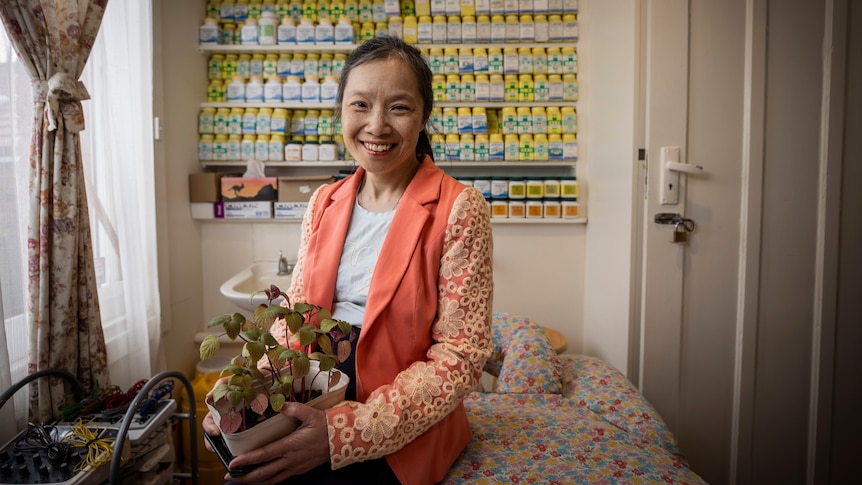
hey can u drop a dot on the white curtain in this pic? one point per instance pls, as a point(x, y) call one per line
point(16, 115)
point(117, 147)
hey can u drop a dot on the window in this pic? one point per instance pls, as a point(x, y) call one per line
point(117, 150)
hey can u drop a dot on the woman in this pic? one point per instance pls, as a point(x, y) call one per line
point(403, 252)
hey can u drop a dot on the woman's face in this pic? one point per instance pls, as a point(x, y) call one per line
point(382, 116)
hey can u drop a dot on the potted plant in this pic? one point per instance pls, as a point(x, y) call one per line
point(267, 374)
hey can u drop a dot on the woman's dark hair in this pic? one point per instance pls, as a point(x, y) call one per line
point(388, 47)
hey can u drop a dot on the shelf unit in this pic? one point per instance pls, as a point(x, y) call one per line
point(494, 220)
point(463, 168)
point(234, 48)
point(350, 163)
point(437, 104)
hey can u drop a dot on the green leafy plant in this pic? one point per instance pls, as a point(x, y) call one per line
point(266, 374)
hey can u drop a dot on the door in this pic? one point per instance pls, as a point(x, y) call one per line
point(740, 327)
point(694, 63)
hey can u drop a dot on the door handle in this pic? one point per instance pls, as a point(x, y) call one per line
point(684, 167)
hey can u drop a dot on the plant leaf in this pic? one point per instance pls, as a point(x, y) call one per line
point(219, 321)
point(323, 313)
point(234, 369)
point(209, 346)
point(306, 335)
point(325, 344)
point(344, 349)
point(278, 310)
point(235, 398)
point(327, 324)
point(234, 326)
point(219, 392)
point(253, 334)
point(276, 401)
point(294, 322)
point(301, 366)
point(266, 318)
point(259, 403)
point(230, 422)
point(303, 307)
point(334, 378)
point(253, 350)
point(257, 374)
point(288, 354)
point(273, 355)
point(249, 394)
point(327, 362)
point(269, 340)
point(345, 328)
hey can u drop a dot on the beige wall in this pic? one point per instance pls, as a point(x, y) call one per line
point(198, 256)
point(180, 79)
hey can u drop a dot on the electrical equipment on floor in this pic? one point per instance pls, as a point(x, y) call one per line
point(128, 443)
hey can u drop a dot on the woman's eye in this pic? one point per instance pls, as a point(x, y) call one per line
point(358, 104)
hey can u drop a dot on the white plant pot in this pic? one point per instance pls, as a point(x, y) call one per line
point(280, 425)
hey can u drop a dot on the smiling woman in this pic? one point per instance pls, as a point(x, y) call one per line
point(401, 251)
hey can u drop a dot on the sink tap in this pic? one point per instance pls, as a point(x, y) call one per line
point(284, 268)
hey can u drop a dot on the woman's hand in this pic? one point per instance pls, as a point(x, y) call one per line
point(304, 449)
point(210, 428)
point(209, 424)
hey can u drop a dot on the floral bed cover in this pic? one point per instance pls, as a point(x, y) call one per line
point(598, 429)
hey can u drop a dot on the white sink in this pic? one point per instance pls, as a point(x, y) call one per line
point(259, 276)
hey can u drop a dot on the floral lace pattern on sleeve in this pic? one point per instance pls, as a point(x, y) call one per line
point(427, 391)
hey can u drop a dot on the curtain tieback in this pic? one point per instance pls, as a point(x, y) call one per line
point(63, 95)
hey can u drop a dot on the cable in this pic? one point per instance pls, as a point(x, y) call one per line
point(149, 405)
point(99, 450)
point(39, 437)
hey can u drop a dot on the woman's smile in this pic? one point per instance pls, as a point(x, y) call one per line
point(376, 147)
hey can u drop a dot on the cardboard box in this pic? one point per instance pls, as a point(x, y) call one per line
point(290, 210)
point(248, 210)
point(203, 210)
point(206, 186)
point(207, 210)
point(299, 189)
point(241, 189)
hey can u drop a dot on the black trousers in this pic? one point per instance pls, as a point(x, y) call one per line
point(372, 472)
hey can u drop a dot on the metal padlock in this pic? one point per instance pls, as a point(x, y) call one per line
point(680, 233)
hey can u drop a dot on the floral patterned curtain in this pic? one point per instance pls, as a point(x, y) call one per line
point(54, 38)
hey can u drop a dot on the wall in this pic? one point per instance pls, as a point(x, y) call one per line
point(198, 256)
point(179, 79)
point(608, 60)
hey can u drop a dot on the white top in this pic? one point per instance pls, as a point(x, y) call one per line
point(358, 258)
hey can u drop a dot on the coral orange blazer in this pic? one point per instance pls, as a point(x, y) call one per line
point(426, 332)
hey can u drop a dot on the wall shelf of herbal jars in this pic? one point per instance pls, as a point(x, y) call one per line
point(437, 104)
point(263, 49)
point(514, 31)
point(494, 221)
point(445, 164)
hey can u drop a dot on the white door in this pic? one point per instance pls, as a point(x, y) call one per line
point(694, 67)
point(739, 326)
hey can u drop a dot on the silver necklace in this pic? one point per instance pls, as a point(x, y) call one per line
point(359, 199)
